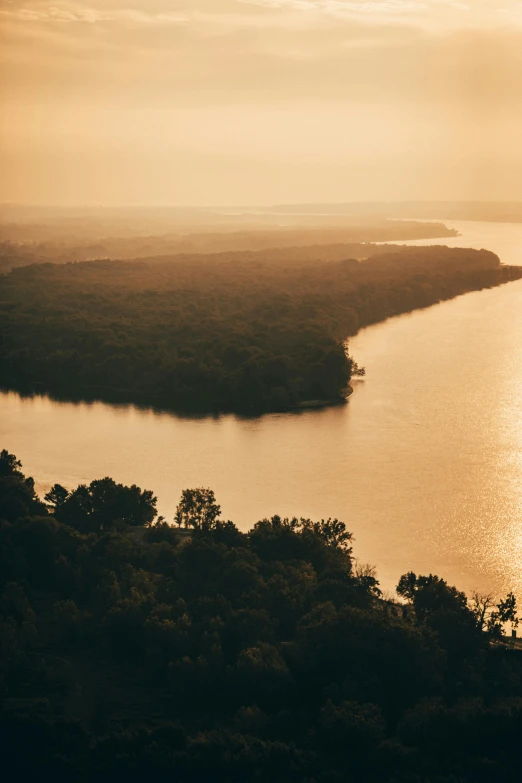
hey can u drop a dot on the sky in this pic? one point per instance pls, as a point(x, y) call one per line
point(219, 102)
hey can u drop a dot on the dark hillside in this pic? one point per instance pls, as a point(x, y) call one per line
point(133, 651)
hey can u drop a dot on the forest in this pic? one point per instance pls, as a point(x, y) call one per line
point(244, 331)
point(23, 244)
point(185, 650)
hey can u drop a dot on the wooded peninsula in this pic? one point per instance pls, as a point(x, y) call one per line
point(247, 331)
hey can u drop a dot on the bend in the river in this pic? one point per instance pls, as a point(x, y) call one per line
point(424, 463)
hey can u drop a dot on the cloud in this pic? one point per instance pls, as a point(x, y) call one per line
point(450, 14)
point(337, 6)
point(262, 14)
point(164, 96)
point(79, 13)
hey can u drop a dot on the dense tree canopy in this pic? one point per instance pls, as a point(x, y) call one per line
point(101, 505)
point(244, 332)
point(131, 648)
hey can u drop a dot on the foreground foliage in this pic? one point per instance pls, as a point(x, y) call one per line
point(235, 331)
point(131, 649)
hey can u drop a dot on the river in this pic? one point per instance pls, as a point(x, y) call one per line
point(424, 463)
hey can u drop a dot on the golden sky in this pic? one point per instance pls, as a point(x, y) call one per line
point(260, 101)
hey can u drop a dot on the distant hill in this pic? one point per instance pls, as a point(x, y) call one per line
point(489, 211)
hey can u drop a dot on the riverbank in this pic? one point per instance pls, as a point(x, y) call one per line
point(162, 403)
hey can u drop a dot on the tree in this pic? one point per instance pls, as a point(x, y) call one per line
point(17, 495)
point(492, 617)
point(197, 508)
point(77, 510)
point(356, 370)
point(505, 612)
point(104, 504)
point(407, 585)
point(366, 577)
point(287, 539)
point(431, 594)
point(56, 496)
point(444, 610)
point(481, 606)
point(9, 465)
point(332, 532)
point(507, 609)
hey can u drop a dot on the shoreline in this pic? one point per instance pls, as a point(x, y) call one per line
point(160, 403)
point(310, 404)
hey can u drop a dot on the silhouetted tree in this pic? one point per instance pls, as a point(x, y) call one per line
point(56, 496)
point(197, 508)
point(105, 504)
point(17, 495)
point(504, 612)
point(9, 465)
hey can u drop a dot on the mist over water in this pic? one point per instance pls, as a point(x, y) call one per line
point(424, 463)
point(504, 239)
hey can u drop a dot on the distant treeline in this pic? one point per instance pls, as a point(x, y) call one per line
point(489, 211)
point(243, 332)
point(131, 650)
point(16, 250)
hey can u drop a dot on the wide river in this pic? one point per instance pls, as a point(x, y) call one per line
point(424, 463)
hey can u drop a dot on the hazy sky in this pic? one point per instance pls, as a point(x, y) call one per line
point(260, 101)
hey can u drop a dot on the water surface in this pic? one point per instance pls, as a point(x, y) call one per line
point(424, 463)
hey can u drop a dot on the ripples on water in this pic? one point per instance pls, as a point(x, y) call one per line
point(424, 463)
